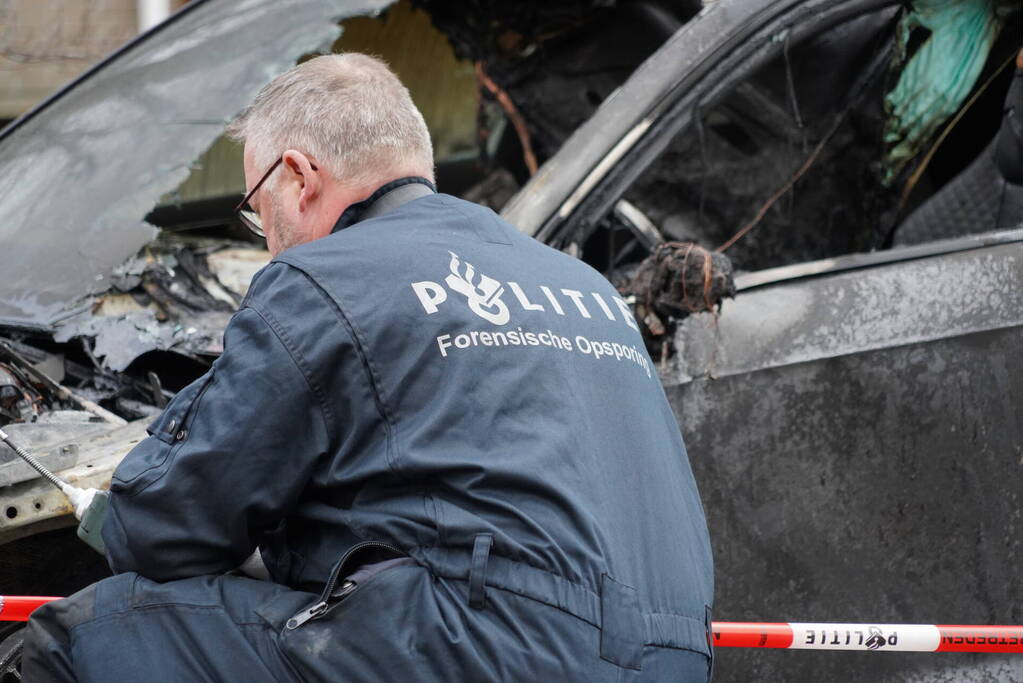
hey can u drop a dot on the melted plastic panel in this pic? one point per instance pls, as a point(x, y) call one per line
point(77, 178)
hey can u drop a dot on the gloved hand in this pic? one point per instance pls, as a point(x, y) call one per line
point(90, 509)
point(81, 499)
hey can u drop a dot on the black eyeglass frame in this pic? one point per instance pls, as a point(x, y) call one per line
point(249, 216)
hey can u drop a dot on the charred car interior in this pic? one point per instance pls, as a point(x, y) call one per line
point(815, 208)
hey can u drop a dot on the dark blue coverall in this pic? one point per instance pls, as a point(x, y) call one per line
point(435, 385)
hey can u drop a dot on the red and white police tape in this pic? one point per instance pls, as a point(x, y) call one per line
point(793, 636)
point(873, 637)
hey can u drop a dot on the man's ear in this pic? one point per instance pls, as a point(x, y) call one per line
point(306, 174)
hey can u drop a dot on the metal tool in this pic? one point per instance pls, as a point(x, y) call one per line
point(90, 504)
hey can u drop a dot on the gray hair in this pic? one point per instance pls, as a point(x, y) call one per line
point(349, 111)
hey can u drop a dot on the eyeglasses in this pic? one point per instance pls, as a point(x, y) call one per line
point(246, 214)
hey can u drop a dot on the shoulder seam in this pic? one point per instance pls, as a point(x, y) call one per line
point(300, 364)
point(372, 377)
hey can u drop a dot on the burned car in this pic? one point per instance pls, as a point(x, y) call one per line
point(852, 418)
point(850, 415)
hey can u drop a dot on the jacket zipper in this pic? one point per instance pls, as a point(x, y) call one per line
point(320, 606)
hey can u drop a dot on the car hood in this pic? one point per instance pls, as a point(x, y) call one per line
point(80, 172)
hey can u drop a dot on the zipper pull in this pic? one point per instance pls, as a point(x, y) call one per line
point(306, 614)
point(320, 607)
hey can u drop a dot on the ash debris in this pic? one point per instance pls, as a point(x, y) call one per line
point(160, 323)
point(676, 280)
point(558, 60)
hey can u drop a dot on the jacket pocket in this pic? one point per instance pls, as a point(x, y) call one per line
point(170, 424)
point(166, 432)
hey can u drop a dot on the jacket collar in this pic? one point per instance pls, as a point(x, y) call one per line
point(373, 205)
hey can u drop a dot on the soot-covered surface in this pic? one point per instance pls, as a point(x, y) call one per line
point(874, 487)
